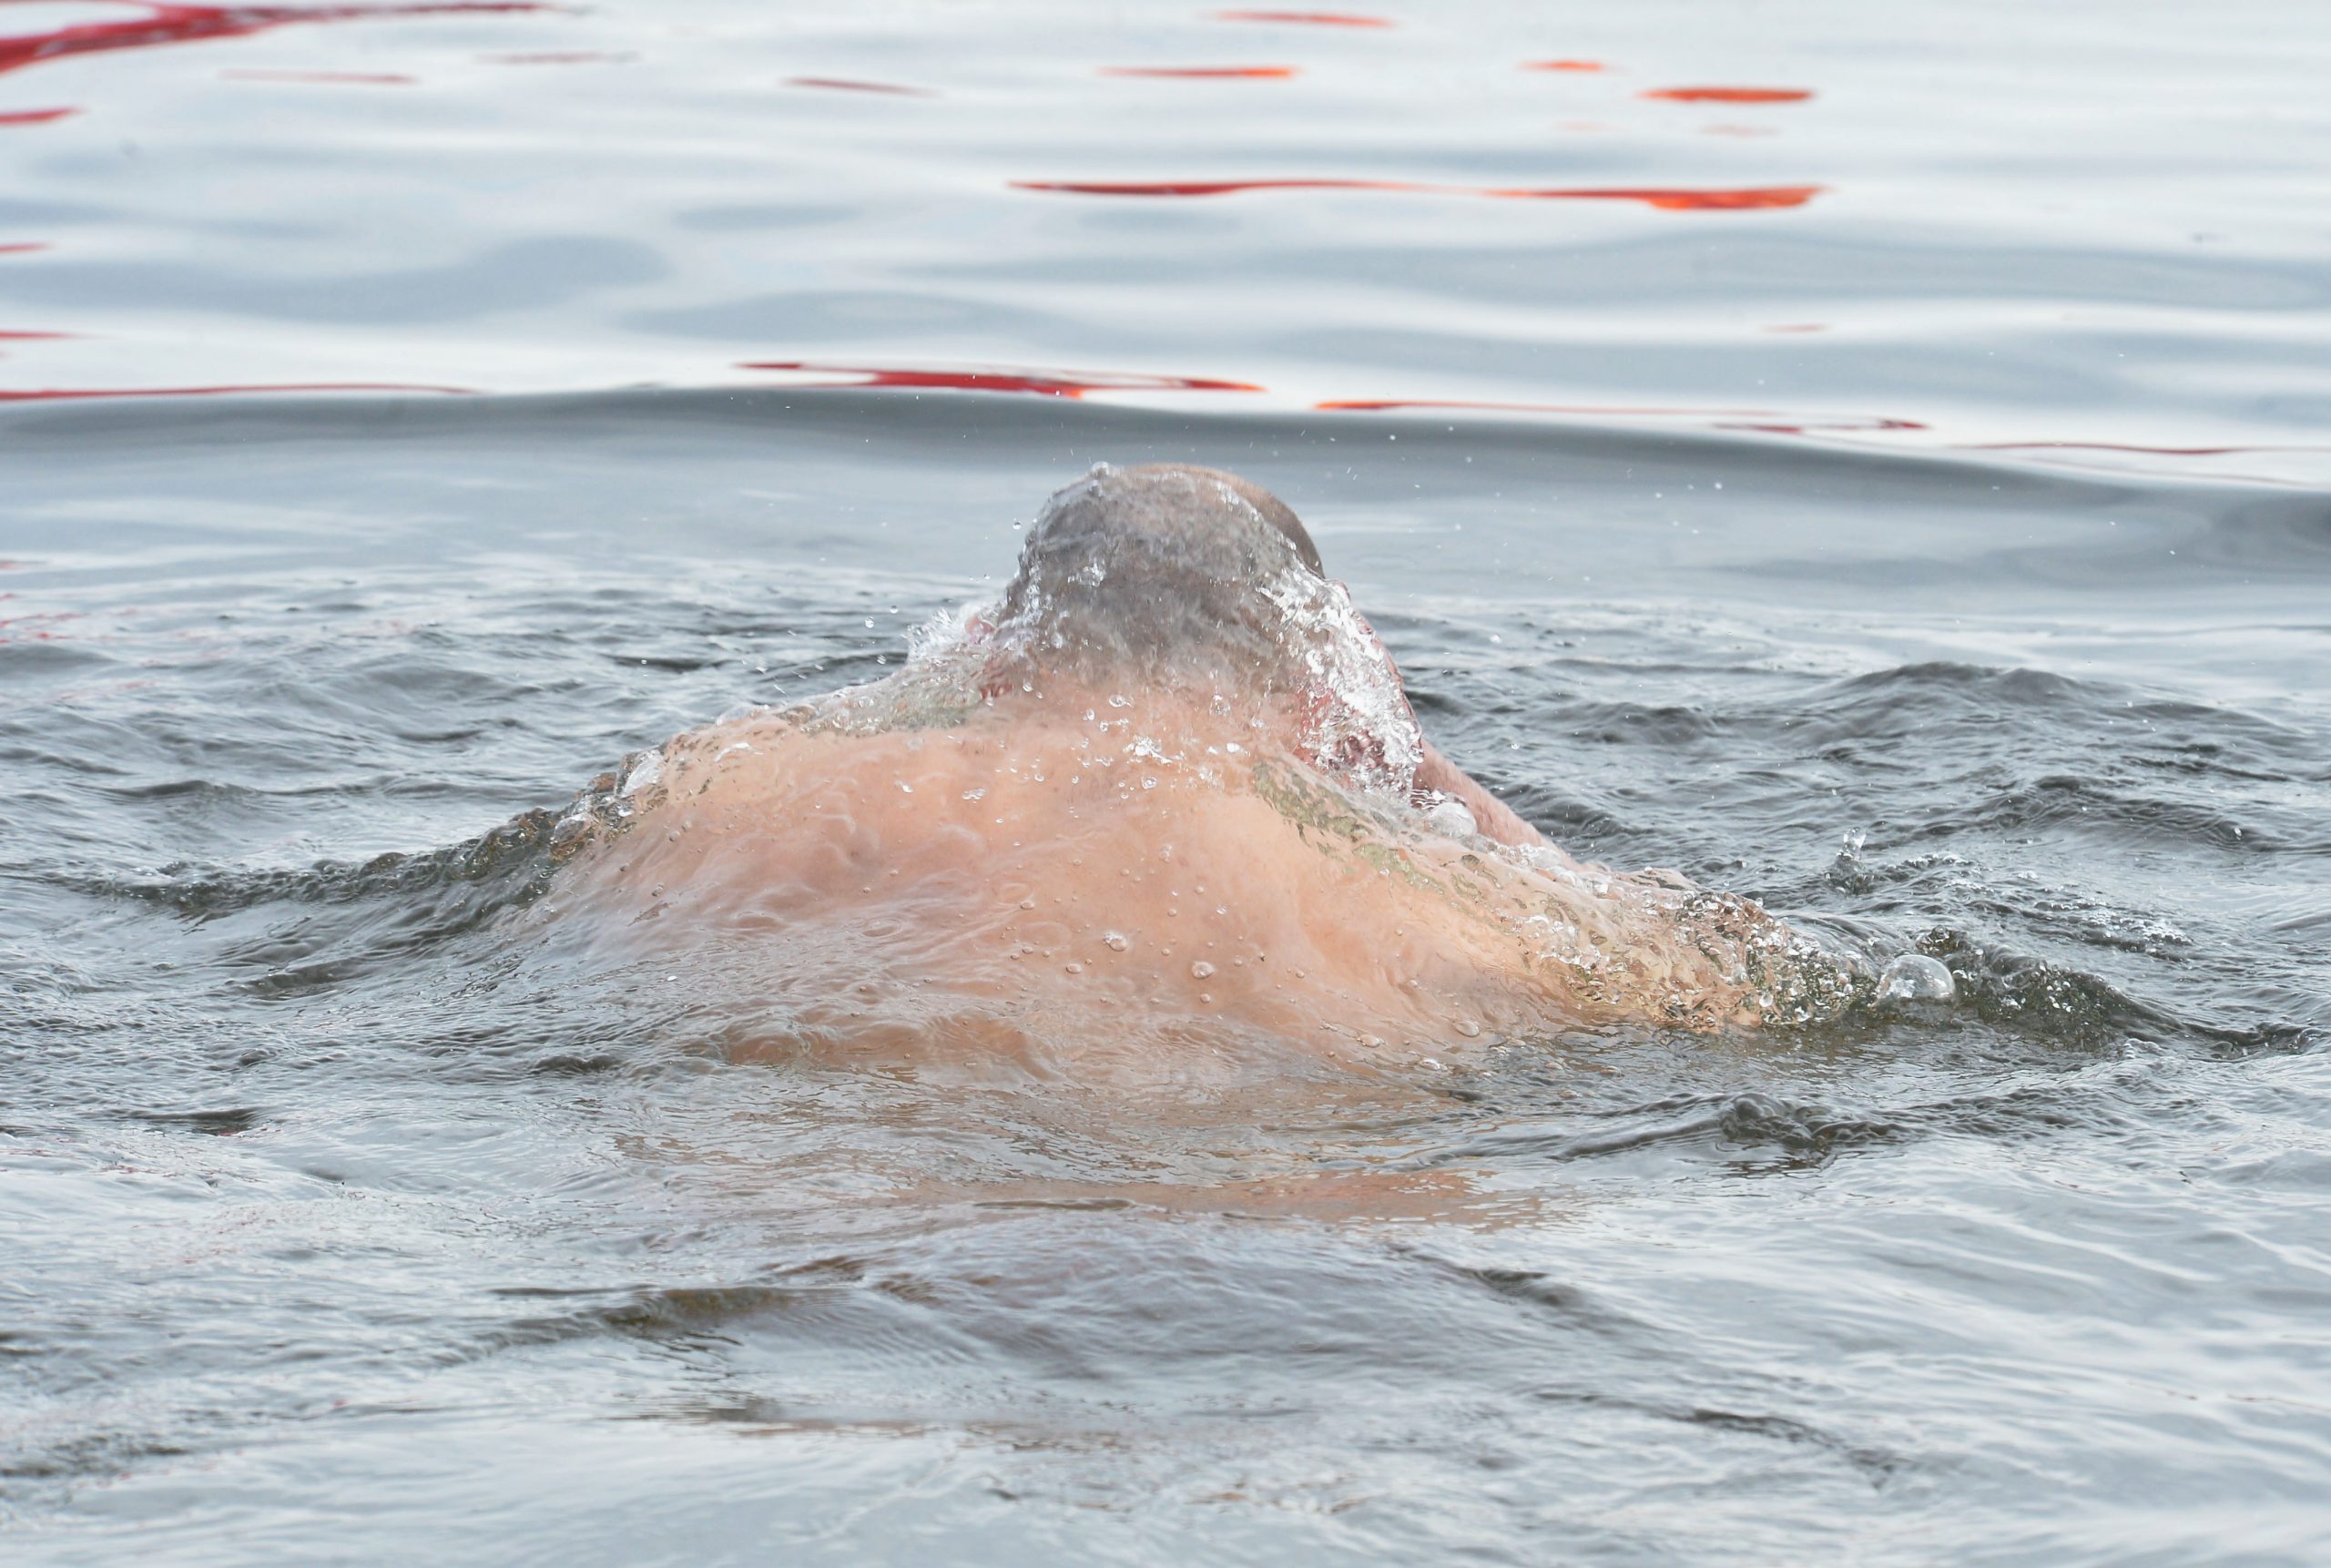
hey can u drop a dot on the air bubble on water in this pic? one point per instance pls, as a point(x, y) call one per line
point(1200, 969)
point(1120, 702)
point(1114, 941)
point(1914, 977)
point(1074, 968)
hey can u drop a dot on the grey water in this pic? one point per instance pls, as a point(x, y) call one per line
point(1987, 619)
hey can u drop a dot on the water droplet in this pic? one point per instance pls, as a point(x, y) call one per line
point(1115, 941)
point(1914, 977)
point(1075, 968)
point(1200, 969)
point(1452, 819)
point(1468, 1028)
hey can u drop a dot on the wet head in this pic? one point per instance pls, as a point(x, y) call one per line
point(1202, 598)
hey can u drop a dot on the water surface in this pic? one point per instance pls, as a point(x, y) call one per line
point(1936, 552)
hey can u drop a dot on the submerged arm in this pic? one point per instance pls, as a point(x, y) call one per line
point(1496, 819)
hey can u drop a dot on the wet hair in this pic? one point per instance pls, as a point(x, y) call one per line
point(1162, 571)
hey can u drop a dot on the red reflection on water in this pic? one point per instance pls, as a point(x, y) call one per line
point(1244, 73)
point(20, 247)
point(360, 78)
point(69, 394)
point(1685, 200)
point(8, 337)
point(35, 117)
point(1672, 199)
point(37, 625)
point(163, 22)
point(1563, 66)
point(1731, 95)
point(1041, 384)
point(1305, 18)
point(850, 85)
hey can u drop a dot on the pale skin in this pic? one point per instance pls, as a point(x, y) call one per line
point(1024, 867)
point(1015, 857)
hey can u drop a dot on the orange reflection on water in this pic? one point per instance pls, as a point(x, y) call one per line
point(1239, 73)
point(1039, 384)
point(1731, 95)
point(1563, 66)
point(35, 117)
point(1668, 198)
point(853, 85)
point(1305, 18)
point(1685, 200)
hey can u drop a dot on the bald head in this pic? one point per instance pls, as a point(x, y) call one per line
point(1161, 569)
point(1202, 516)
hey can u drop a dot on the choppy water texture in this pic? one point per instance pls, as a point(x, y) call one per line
point(1868, 457)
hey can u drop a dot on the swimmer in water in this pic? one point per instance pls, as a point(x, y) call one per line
point(1168, 780)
